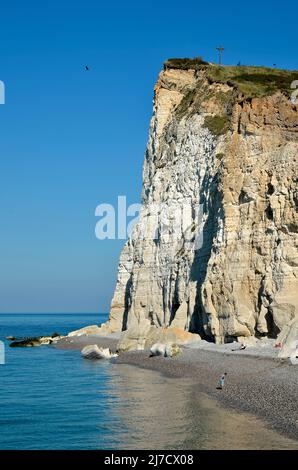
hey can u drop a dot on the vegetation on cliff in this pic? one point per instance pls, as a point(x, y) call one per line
point(241, 82)
point(185, 63)
point(251, 81)
point(218, 125)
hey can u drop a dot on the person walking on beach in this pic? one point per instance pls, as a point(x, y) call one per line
point(222, 381)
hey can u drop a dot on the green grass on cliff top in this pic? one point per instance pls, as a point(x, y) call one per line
point(251, 81)
point(185, 64)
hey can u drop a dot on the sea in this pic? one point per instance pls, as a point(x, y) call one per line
point(54, 399)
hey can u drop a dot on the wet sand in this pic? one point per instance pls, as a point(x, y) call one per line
point(263, 386)
point(257, 382)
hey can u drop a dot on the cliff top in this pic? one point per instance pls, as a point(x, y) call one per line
point(251, 81)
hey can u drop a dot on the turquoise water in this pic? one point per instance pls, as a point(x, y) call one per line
point(54, 399)
point(51, 398)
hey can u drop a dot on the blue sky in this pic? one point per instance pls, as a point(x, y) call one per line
point(70, 139)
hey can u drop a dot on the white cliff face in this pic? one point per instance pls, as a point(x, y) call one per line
point(215, 249)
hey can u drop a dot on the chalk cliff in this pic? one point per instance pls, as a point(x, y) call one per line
point(215, 249)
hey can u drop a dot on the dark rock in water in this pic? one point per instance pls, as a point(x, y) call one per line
point(11, 338)
point(55, 335)
point(24, 343)
point(34, 341)
point(28, 342)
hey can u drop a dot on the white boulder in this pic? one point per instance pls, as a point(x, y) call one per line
point(158, 349)
point(164, 349)
point(288, 338)
point(94, 352)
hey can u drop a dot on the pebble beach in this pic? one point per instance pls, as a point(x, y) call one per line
point(257, 381)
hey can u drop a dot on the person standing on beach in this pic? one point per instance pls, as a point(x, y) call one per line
point(222, 381)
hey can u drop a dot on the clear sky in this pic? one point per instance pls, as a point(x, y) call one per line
point(71, 139)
